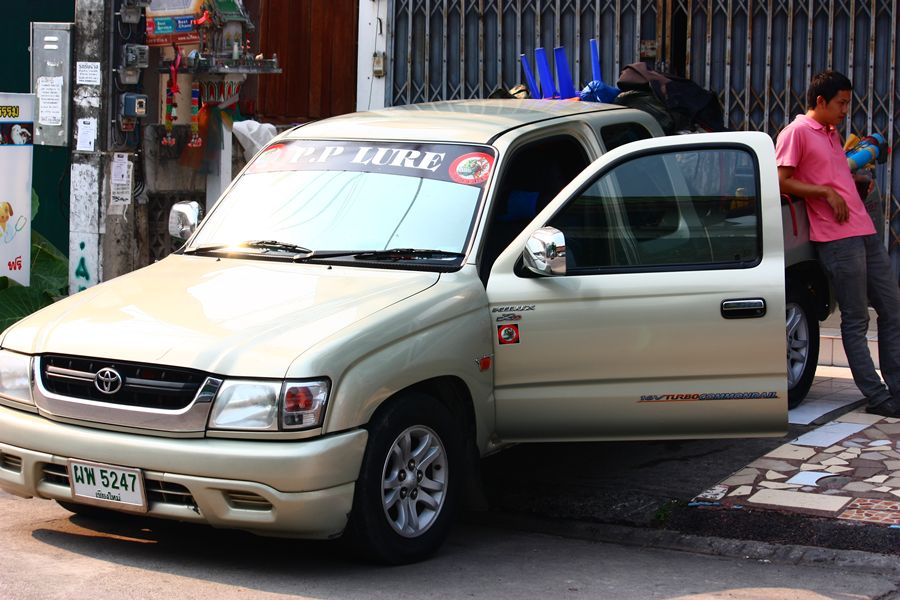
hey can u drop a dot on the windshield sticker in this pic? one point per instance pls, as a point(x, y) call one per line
point(713, 396)
point(471, 168)
point(508, 334)
point(446, 162)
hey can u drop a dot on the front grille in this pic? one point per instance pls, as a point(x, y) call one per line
point(163, 492)
point(146, 386)
point(158, 492)
point(55, 474)
point(10, 462)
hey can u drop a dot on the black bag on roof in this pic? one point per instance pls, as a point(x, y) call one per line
point(688, 104)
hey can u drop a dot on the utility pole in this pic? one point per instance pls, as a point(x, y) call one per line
point(90, 107)
point(102, 218)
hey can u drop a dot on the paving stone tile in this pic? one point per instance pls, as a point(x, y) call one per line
point(858, 486)
point(878, 479)
point(888, 428)
point(892, 465)
point(874, 504)
point(862, 463)
point(809, 477)
point(895, 492)
point(883, 489)
point(872, 456)
point(791, 452)
point(854, 451)
point(795, 499)
point(837, 469)
point(859, 417)
point(846, 455)
point(893, 482)
point(865, 472)
point(775, 475)
point(883, 517)
point(777, 485)
point(716, 492)
point(829, 434)
point(890, 453)
point(891, 420)
point(810, 467)
point(773, 465)
point(876, 434)
point(835, 461)
point(739, 480)
point(876, 443)
point(834, 449)
point(743, 490)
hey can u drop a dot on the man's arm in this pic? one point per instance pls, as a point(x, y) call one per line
point(792, 187)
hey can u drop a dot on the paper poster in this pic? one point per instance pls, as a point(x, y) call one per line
point(87, 73)
point(86, 134)
point(16, 134)
point(49, 95)
point(120, 182)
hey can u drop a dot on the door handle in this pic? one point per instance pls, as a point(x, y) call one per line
point(743, 308)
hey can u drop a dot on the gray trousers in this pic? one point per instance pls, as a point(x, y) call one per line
point(860, 273)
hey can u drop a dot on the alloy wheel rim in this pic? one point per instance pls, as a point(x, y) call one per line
point(797, 343)
point(414, 481)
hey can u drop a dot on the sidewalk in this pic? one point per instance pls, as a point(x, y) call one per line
point(837, 485)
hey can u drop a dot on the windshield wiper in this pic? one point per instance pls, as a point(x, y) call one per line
point(205, 249)
point(275, 245)
point(408, 254)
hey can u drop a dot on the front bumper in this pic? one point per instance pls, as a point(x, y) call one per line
point(301, 488)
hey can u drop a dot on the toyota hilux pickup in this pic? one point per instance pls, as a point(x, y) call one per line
point(378, 299)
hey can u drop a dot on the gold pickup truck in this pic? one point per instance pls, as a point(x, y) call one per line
point(378, 299)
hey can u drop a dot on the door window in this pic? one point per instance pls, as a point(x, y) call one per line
point(678, 209)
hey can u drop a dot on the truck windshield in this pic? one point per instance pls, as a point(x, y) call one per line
point(331, 196)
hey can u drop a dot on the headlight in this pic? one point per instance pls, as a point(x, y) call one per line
point(15, 376)
point(256, 405)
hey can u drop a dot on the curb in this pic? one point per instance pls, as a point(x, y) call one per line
point(858, 560)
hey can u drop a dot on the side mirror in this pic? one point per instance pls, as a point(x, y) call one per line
point(545, 252)
point(184, 218)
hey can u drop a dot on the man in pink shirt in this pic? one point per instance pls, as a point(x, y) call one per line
point(812, 165)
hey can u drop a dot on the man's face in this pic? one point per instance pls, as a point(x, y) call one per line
point(835, 110)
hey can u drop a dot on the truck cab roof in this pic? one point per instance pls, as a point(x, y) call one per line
point(448, 121)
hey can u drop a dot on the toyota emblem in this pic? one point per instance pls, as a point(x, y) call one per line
point(108, 381)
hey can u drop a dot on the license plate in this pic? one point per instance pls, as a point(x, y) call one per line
point(106, 485)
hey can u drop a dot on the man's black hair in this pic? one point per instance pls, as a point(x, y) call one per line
point(826, 84)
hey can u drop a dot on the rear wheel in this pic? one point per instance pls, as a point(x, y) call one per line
point(802, 330)
point(410, 480)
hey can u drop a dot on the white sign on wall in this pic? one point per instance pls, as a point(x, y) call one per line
point(16, 133)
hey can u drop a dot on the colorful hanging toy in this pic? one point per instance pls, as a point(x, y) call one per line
point(171, 105)
point(863, 151)
point(196, 140)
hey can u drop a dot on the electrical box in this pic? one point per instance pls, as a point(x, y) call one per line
point(136, 55)
point(133, 105)
point(134, 58)
point(51, 81)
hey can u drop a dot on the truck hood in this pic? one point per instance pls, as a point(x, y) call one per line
point(230, 316)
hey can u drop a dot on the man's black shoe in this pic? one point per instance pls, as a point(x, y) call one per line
point(888, 408)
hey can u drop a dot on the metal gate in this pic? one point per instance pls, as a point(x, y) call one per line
point(758, 56)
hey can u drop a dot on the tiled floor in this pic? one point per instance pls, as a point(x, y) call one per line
point(848, 468)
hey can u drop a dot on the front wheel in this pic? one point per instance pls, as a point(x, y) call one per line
point(802, 330)
point(409, 481)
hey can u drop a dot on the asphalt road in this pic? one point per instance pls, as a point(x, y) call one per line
point(47, 553)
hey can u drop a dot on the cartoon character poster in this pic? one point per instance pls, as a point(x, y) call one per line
point(16, 133)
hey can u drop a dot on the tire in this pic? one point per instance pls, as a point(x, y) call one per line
point(409, 483)
point(802, 334)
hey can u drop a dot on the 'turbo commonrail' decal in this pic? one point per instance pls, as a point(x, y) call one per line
point(709, 396)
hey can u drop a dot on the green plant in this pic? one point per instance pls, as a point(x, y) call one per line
point(49, 279)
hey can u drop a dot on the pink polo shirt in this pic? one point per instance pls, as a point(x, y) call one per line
point(817, 155)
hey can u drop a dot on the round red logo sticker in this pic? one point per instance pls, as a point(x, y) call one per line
point(471, 168)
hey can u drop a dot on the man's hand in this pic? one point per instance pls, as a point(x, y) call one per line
point(838, 205)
